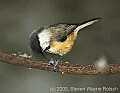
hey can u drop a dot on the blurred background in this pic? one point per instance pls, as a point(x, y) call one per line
point(18, 18)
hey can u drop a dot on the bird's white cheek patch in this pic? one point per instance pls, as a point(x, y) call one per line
point(44, 39)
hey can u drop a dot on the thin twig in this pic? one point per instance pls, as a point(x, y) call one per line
point(63, 67)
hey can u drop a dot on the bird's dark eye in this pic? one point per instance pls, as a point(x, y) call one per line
point(63, 39)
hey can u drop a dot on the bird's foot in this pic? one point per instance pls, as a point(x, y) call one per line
point(50, 62)
point(56, 63)
point(53, 62)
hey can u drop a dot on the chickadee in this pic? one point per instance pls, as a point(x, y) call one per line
point(56, 39)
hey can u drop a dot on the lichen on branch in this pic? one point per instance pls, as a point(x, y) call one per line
point(63, 67)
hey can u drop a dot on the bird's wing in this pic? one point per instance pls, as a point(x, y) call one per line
point(61, 31)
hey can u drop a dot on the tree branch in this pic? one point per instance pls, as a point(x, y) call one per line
point(63, 67)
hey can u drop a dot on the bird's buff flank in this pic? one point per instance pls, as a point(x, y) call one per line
point(62, 48)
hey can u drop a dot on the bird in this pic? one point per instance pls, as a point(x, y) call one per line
point(57, 39)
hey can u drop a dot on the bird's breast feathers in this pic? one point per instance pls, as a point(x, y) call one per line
point(62, 48)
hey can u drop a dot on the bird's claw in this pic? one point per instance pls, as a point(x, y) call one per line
point(53, 62)
point(56, 63)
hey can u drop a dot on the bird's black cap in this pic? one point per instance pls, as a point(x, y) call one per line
point(34, 41)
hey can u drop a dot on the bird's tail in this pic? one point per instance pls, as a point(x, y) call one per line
point(86, 23)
